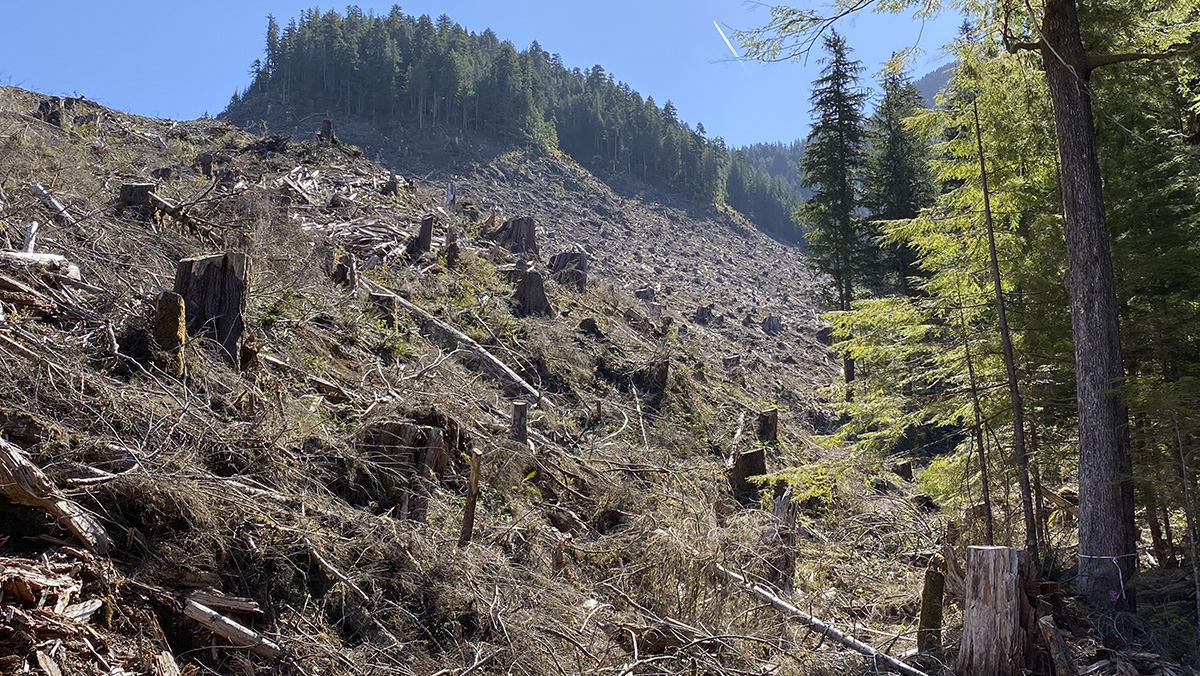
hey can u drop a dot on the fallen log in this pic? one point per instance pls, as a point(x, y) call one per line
point(25, 484)
point(827, 630)
point(226, 628)
point(445, 333)
point(60, 211)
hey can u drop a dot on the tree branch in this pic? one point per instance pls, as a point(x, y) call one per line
point(1109, 59)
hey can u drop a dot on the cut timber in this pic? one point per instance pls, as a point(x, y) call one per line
point(768, 426)
point(452, 338)
point(226, 628)
point(135, 197)
point(570, 268)
point(213, 289)
point(997, 617)
point(519, 432)
point(530, 296)
point(25, 484)
point(468, 522)
point(170, 332)
point(221, 601)
point(827, 630)
point(929, 626)
point(1059, 655)
point(60, 212)
point(518, 235)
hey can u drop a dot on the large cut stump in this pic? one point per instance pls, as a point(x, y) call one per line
point(214, 294)
point(998, 621)
point(743, 467)
point(518, 236)
point(570, 268)
point(135, 197)
point(530, 296)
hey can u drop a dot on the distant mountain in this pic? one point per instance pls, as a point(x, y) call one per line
point(931, 83)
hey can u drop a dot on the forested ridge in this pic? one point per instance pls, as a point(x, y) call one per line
point(422, 73)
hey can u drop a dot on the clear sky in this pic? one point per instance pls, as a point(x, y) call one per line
point(182, 58)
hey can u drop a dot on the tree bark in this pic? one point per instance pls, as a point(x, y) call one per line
point(213, 289)
point(1106, 514)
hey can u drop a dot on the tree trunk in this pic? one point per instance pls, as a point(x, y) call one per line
point(1010, 366)
point(997, 617)
point(214, 295)
point(1106, 519)
point(929, 625)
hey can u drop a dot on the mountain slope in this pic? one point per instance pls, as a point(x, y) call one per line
point(323, 481)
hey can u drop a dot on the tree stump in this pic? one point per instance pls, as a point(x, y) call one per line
point(135, 197)
point(570, 268)
point(530, 296)
point(704, 315)
point(170, 332)
point(424, 236)
point(325, 136)
point(392, 187)
point(998, 620)
point(51, 111)
point(768, 426)
point(346, 272)
point(745, 465)
point(519, 432)
point(772, 325)
point(213, 289)
point(518, 235)
point(647, 294)
point(929, 625)
point(387, 307)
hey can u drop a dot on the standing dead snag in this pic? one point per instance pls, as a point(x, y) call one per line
point(998, 620)
point(170, 332)
point(213, 289)
point(929, 626)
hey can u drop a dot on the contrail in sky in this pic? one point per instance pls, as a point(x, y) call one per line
point(729, 44)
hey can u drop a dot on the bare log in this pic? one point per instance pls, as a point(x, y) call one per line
point(25, 484)
point(1059, 655)
point(997, 617)
point(236, 633)
point(60, 212)
point(451, 337)
point(763, 594)
point(214, 289)
point(220, 601)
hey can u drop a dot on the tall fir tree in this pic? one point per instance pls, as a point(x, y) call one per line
point(832, 166)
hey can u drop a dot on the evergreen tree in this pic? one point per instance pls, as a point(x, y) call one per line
point(832, 165)
point(897, 181)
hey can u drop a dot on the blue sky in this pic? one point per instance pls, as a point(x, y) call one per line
point(182, 58)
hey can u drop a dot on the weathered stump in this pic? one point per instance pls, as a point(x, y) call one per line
point(647, 294)
point(703, 315)
point(570, 268)
point(170, 332)
point(744, 465)
point(530, 296)
point(213, 289)
point(135, 197)
point(929, 624)
point(784, 536)
point(392, 187)
point(518, 235)
point(424, 236)
point(468, 521)
point(385, 304)
point(51, 110)
point(519, 432)
point(768, 426)
point(326, 136)
point(345, 272)
point(998, 620)
point(772, 325)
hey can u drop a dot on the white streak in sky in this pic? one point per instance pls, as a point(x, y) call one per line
point(729, 44)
